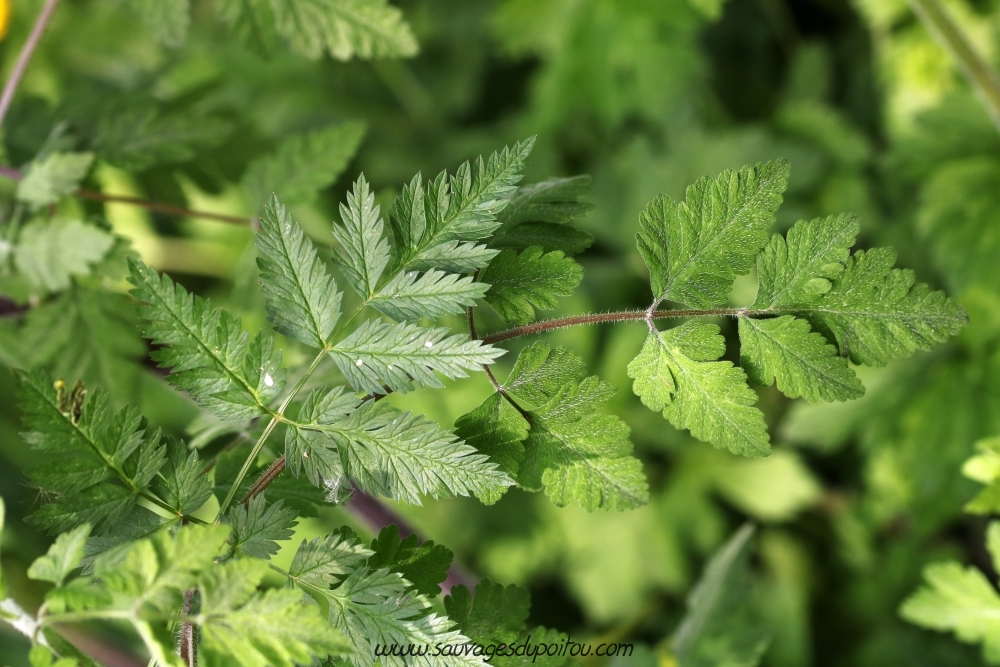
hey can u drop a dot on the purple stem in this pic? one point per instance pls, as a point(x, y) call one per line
point(376, 515)
point(24, 57)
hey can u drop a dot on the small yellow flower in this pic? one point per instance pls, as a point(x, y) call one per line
point(4, 17)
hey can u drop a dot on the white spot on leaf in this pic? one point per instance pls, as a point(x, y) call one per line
point(268, 380)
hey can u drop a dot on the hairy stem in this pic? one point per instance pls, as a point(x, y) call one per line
point(983, 78)
point(268, 476)
point(23, 58)
point(620, 316)
point(159, 207)
point(186, 641)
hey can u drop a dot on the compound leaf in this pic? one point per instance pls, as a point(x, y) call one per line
point(540, 215)
point(322, 559)
point(497, 430)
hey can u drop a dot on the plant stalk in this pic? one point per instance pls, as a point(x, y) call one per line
point(23, 58)
point(983, 78)
point(621, 316)
point(159, 207)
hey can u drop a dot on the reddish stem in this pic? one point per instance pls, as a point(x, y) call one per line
point(24, 57)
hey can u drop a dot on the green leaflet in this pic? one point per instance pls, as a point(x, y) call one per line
point(167, 19)
point(402, 455)
point(182, 482)
point(302, 165)
point(252, 629)
point(378, 355)
point(960, 600)
point(52, 177)
point(431, 294)
point(314, 451)
point(574, 454)
point(436, 226)
point(521, 283)
point(63, 557)
point(301, 298)
point(210, 355)
point(676, 373)
point(105, 460)
point(258, 527)
point(540, 215)
point(497, 615)
point(425, 566)
point(364, 252)
point(344, 28)
point(984, 468)
point(137, 136)
point(876, 313)
point(799, 269)
point(802, 361)
point(695, 249)
point(84, 333)
point(51, 252)
point(324, 558)
point(377, 607)
point(497, 430)
point(722, 625)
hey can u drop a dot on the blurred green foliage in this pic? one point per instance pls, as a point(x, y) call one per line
point(645, 96)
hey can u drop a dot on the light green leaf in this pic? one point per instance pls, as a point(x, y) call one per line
point(63, 557)
point(802, 361)
point(695, 249)
point(876, 313)
point(314, 451)
point(51, 178)
point(138, 136)
point(799, 269)
point(575, 454)
point(258, 527)
point(301, 298)
point(521, 283)
point(211, 356)
point(431, 294)
point(51, 252)
point(251, 629)
point(676, 372)
point(377, 356)
point(167, 19)
point(722, 626)
point(959, 600)
point(302, 165)
point(364, 252)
